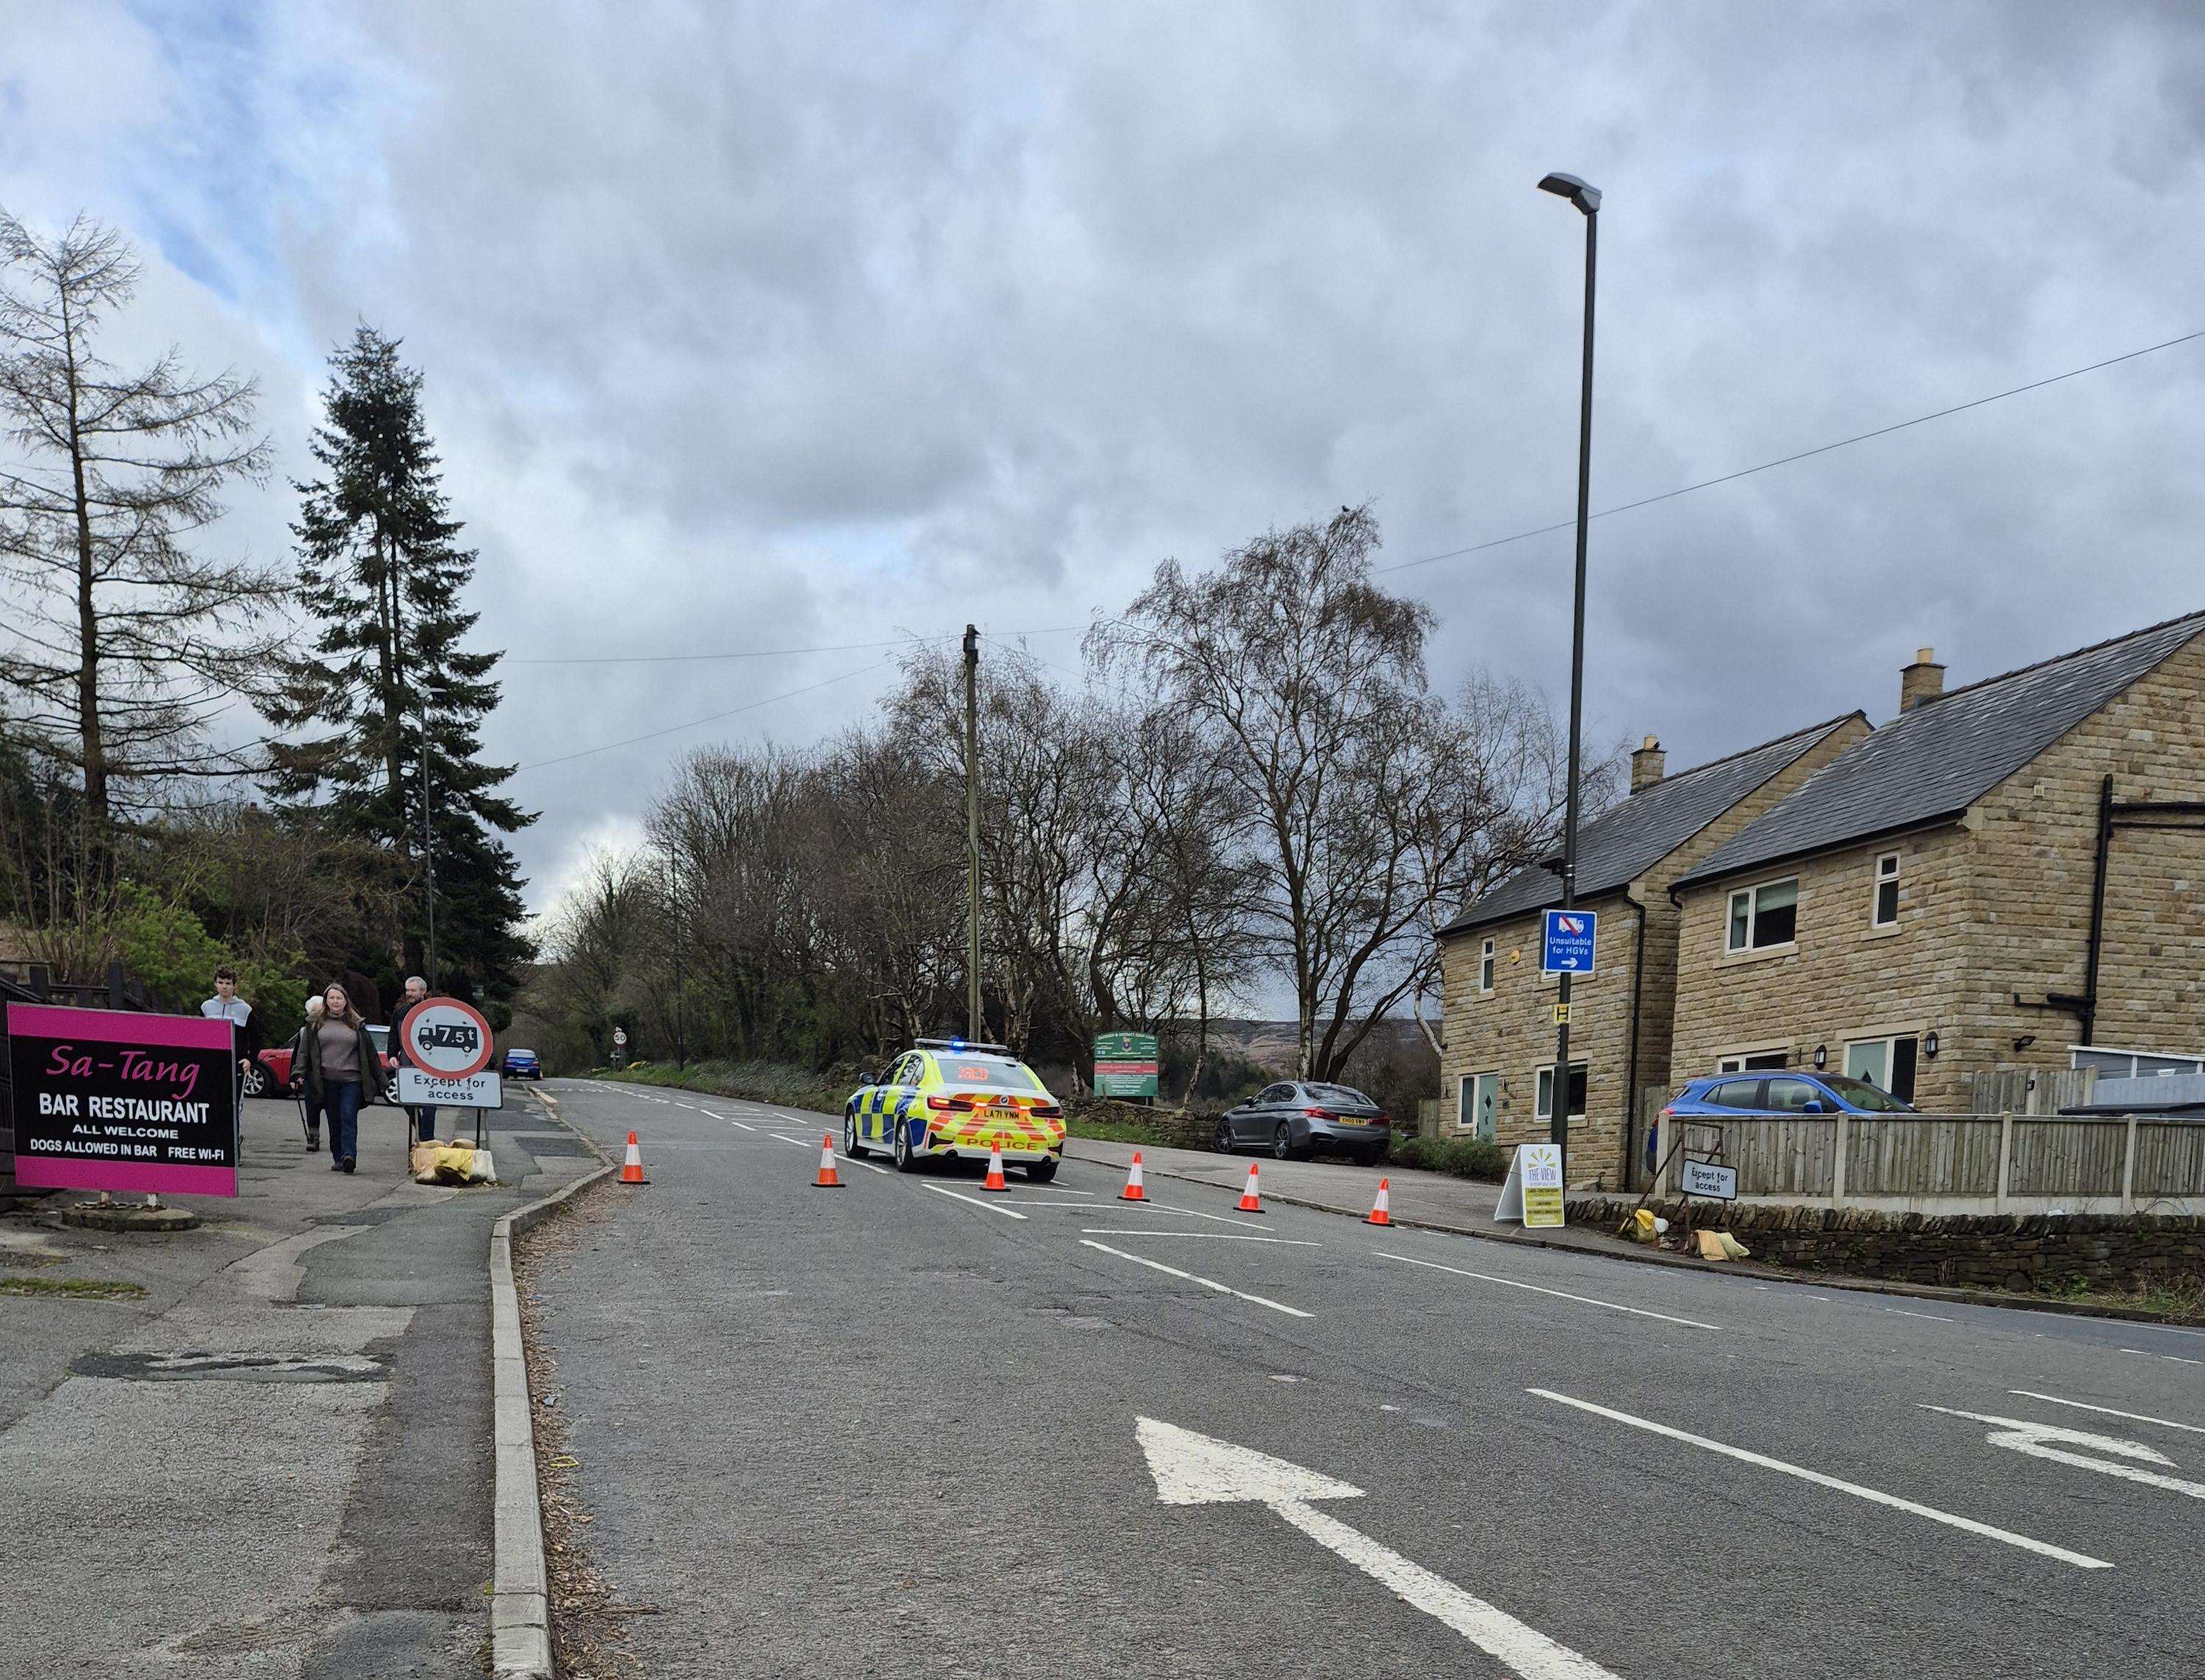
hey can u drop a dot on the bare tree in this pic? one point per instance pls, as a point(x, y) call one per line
point(123, 639)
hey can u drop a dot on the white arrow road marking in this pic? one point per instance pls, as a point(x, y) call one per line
point(1207, 1283)
point(2132, 1417)
point(2036, 1439)
point(1875, 1496)
point(1200, 1236)
point(1193, 1470)
point(1560, 1294)
point(992, 1207)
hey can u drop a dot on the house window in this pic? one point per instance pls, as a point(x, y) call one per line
point(1485, 967)
point(1476, 1102)
point(1763, 916)
point(1543, 1106)
point(1887, 890)
point(1746, 1061)
point(1886, 1063)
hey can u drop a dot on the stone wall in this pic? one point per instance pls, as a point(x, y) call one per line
point(2022, 1252)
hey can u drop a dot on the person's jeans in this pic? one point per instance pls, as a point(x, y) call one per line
point(425, 1124)
point(341, 1098)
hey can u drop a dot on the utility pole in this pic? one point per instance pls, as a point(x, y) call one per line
point(1587, 201)
point(976, 1027)
point(428, 852)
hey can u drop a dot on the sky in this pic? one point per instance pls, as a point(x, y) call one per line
point(754, 328)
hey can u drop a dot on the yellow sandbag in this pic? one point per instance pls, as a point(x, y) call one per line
point(1639, 1227)
point(421, 1164)
point(1733, 1248)
point(1710, 1244)
point(455, 1163)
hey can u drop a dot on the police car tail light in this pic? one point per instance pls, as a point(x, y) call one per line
point(1048, 1111)
point(940, 1102)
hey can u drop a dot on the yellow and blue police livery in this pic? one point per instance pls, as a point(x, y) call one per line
point(951, 1098)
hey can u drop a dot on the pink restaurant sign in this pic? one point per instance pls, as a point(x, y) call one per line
point(108, 1100)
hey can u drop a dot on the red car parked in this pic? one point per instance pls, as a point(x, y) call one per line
point(272, 1078)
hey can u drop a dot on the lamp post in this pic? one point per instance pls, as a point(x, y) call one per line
point(1587, 200)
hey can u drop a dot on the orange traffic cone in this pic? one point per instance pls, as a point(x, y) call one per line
point(827, 1180)
point(1249, 1204)
point(996, 1179)
point(1378, 1216)
point(1133, 1192)
point(632, 1168)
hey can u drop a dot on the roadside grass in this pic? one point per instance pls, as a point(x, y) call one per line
point(2177, 1297)
point(73, 1289)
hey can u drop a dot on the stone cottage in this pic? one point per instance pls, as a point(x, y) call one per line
point(1497, 1069)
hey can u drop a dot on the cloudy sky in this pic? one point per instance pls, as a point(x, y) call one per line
point(752, 327)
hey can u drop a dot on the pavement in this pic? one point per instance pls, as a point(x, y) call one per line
point(906, 1427)
point(276, 1461)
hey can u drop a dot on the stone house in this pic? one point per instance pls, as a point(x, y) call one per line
point(1497, 1008)
point(1999, 870)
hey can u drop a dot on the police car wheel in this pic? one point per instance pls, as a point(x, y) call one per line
point(1040, 1171)
point(851, 1146)
point(906, 1158)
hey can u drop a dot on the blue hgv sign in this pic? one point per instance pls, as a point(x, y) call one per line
point(1568, 946)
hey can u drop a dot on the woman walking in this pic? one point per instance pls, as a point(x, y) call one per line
point(340, 1072)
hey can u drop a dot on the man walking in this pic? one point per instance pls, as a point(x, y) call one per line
point(423, 1117)
point(226, 1005)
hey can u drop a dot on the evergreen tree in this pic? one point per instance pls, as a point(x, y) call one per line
point(401, 700)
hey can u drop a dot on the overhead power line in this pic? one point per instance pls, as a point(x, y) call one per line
point(768, 653)
point(1803, 455)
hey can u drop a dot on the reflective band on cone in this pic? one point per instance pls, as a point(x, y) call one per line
point(996, 1180)
point(1378, 1216)
point(1249, 1204)
point(827, 1180)
point(1133, 1192)
point(632, 1168)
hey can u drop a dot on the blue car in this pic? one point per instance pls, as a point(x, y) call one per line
point(522, 1065)
point(1775, 1091)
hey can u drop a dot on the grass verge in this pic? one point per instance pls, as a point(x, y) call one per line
point(73, 1289)
point(2180, 1298)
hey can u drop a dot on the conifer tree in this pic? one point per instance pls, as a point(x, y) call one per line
point(389, 704)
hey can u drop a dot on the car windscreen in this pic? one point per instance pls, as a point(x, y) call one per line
point(381, 1037)
point(1339, 1097)
point(969, 1070)
point(1861, 1095)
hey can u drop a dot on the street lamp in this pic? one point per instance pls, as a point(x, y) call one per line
point(1587, 200)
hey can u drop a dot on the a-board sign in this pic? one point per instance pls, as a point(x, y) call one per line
point(1704, 1178)
point(1567, 946)
point(1533, 1192)
point(1125, 1064)
point(417, 1090)
point(445, 1037)
point(108, 1100)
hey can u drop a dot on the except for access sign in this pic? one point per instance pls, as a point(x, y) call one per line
point(417, 1090)
point(1567, 947)
point(1125, 1064)
point(106, 1100)
point(1704, 1178)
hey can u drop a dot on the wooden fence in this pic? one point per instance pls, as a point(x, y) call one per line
point(1954, 1163)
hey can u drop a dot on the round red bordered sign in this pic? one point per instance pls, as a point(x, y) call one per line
point(446, 1037)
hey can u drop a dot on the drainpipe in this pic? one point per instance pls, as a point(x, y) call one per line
point(1630, 1077)
point(2089, 1010)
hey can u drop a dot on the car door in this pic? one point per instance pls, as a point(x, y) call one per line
point(881, 1102)
point(1257, 1118)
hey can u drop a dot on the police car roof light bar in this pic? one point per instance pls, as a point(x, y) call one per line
point(957, 1045)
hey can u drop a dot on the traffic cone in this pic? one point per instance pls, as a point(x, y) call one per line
point(1249, 1204)
point(996, 1179)
point(1133, 1192)
point(827, 1180)
point(632, 1168)
point(1378, 1216)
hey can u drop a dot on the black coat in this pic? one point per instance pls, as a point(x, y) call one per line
point(307, 1066)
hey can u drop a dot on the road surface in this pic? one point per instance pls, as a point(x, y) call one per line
point(906, 1428)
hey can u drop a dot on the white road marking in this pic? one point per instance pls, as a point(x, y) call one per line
point(1207, 1283)
point(1934, 1318)
point(731, 1120)
point(992, 1207)
point(2145, 1353)
point(1191, 1470)
point(2132, 1417)
point(1196, 1213)
point(1875, 1496)
point(1201, 1236)
point(783, 1137)
point(1561, 1294)
point(2033, 1439)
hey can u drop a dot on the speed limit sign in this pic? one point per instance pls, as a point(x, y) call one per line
point(447, 1039)
point(620, 1035)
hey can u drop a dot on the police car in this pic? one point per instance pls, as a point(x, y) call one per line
point(949, 1098)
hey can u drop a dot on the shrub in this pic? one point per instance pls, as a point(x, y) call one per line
point(1464, 1157)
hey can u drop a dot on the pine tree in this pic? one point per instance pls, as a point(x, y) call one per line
point(401, 699)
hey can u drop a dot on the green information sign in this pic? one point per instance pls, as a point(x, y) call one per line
point(1125, 1064)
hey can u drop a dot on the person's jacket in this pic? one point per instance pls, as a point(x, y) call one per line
point(306, 1064)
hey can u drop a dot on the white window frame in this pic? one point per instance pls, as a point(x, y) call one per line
point(1466, 1112)
point(1485, 967)
point(1543, 1090)
point(1889, 1041)
point(1752, 897)
point(1729, 1062)
point(1886, 873)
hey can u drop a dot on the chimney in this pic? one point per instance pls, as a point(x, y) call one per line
point(1924, 679)
point(1646, 765)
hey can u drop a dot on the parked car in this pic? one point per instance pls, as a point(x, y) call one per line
point(520, 1063)
point(1296, 1119)
point(271, 1077)
point(1787, 1092)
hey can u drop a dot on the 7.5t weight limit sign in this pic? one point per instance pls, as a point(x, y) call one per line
point(449, 1045)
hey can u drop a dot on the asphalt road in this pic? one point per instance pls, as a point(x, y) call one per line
point(891, 1430)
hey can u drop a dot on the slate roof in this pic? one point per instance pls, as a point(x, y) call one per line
point(1931, 762)
point(1625, 841)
